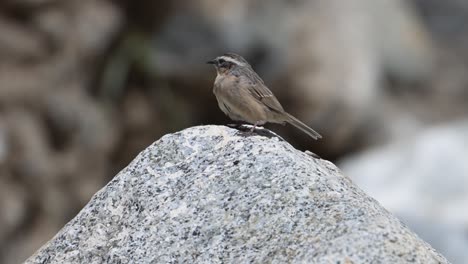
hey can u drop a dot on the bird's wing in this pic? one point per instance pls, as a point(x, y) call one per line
point(259, 90)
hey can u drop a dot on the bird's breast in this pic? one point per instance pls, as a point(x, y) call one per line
point(226, 85)
point(236, 101)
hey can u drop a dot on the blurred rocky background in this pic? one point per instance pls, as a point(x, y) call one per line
point(87, 84)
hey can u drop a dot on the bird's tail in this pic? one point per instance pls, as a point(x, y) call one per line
point(297, 123)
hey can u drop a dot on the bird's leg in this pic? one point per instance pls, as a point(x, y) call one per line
point(252, 129)
point(256, 124)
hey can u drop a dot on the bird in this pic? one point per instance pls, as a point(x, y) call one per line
point(243, 96)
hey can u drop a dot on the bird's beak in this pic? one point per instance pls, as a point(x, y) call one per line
point(211, 62)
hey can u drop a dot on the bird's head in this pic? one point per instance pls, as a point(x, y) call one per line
point(228, 62)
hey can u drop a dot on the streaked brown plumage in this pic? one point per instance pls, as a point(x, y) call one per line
point(243, 96)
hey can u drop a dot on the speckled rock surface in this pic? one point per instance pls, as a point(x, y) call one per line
point(213, 195)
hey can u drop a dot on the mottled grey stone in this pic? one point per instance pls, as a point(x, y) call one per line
point(422, 179)
point(212, 194)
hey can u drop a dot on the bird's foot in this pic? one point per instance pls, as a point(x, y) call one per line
point(254, 130)
point(256, 124)
point(236, 126)
point(243, 127)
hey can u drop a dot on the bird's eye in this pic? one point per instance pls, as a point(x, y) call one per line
point(221, 61)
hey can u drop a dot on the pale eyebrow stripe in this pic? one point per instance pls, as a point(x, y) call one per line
point(232, 60)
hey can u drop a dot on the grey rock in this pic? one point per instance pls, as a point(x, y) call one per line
point(212, 194)
point(422, 179)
